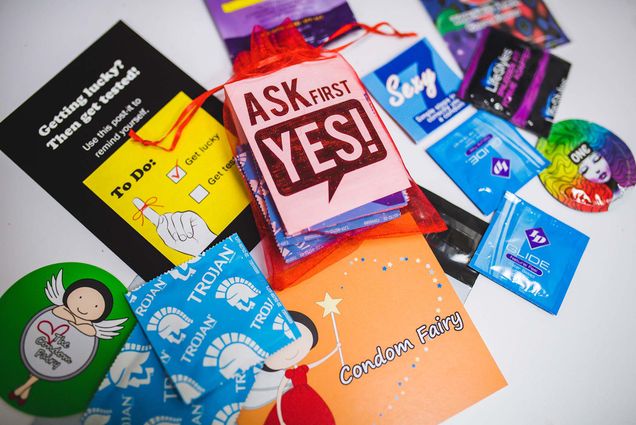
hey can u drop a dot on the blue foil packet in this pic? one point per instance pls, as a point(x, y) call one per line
point(136, 390)
point(418, 89)
point(213, 319)
point(530, 253)
point(486, 157)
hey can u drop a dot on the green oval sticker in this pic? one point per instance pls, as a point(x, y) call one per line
point(65, 324)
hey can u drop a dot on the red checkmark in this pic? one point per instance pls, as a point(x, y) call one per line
point(176, 170)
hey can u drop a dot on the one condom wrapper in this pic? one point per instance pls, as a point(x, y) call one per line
point(486, 157)
point(590, 167)
point(516, 81)
point(530, 253)
point(136, 390)
point(213, 318)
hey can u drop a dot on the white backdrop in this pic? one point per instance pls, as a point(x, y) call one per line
point(576, 368)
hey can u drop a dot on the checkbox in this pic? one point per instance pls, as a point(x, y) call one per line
point(176, 174)
point(199, 194)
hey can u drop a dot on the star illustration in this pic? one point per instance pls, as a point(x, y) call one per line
point(330, 305)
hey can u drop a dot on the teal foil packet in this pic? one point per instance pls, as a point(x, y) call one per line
point(213, 319)
point(530, 253)
point(486, 156)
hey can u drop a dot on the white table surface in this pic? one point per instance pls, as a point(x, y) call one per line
point(576, 368)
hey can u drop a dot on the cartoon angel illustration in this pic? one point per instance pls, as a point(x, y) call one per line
point(60, 341)
point(284, 380)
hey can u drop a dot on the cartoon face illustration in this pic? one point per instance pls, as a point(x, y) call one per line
point(86, 302)
point(169, 322)
point(297, 350)
point(595, 168)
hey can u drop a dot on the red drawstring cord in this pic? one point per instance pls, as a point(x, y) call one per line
point(193, 107)
point(180, 124)
point(376, 29)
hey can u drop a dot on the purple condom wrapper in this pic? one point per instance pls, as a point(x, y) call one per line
point(516, 81)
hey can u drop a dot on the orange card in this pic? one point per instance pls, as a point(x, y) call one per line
point(385, 341)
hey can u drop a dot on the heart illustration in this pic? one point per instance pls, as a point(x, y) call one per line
point(51, 331)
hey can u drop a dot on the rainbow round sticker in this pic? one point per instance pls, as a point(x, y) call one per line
point(590, 166)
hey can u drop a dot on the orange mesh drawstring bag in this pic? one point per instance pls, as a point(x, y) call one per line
point(322, 170)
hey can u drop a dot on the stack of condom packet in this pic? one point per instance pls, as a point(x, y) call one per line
point(213, 319)
point(294, 247)
point(137, 390)
point(530, 253)
point(319, 156)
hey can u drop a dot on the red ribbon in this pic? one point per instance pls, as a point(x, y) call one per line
point(376, 29)
point(179, 125)
point(263, 68)
point(150, 202)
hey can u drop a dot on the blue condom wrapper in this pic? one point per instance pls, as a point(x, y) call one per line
point(136, 390)
point(530, 253)
point(213, 318)
point(418, 89)
point(486, 156)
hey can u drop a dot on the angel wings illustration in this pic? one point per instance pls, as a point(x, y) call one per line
point(48, 349)
point(85, 304)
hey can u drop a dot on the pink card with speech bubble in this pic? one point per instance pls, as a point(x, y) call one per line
point(317, 140)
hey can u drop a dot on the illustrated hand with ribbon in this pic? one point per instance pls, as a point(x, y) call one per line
point(185, 231)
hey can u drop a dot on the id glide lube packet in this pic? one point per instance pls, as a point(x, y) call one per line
point(530, 253)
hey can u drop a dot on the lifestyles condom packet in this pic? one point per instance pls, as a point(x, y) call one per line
point(213, 319)
point(590, 167)
point(136, 390)
point(530, 253)
point(486, 157)
point(516, 81)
